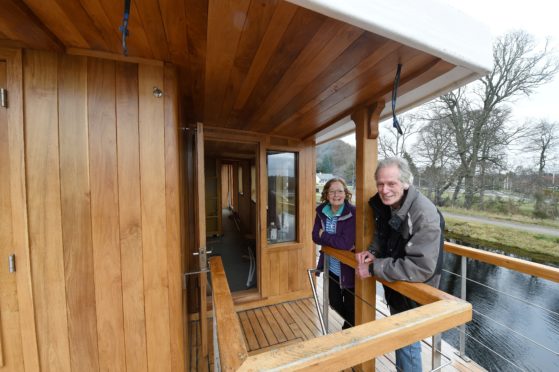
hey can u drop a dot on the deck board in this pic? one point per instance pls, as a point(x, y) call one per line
point(283, 324)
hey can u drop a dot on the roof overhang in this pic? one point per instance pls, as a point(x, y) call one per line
point(430, 26)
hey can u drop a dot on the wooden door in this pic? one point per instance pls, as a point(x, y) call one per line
point(200, 216)
point(11, 353)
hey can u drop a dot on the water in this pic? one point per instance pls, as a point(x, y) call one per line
point(530, 321)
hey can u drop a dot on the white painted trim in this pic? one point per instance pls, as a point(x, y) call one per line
point(427, 25)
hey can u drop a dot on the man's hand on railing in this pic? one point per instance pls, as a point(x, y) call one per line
point(364, 259)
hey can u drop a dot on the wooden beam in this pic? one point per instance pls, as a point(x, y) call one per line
point(113, 56)
point(365, 186)
point(232, 347)
point(374, 118)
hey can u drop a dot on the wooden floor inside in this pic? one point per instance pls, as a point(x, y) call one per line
point(286, 323)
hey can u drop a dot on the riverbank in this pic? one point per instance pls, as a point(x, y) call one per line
point(502, 217)
point(537, 247)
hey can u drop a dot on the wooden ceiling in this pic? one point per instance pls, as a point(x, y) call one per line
point(260, 65)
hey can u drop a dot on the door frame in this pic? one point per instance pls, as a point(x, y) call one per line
point(18, 191)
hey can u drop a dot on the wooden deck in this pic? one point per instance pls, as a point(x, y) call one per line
point(279, 325)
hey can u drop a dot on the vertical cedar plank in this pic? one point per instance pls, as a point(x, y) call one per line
point(130, 216)
point(45, 228)
point(18, 189)
point(11, 350)
point(152, 171)
point(274, 273)
point(76, 212)
point(284, 271)
point(7, 283)
point(175, 260)
point(293, 264)
point(104, 214)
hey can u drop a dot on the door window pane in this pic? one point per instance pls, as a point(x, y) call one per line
point(282, 196)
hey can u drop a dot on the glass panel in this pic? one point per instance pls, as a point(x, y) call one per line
point(282, 196)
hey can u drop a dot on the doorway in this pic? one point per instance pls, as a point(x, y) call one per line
point(231, 210)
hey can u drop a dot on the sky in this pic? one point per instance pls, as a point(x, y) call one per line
point(538, 18)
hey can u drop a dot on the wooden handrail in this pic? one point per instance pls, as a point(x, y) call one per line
point(526, 267)
point(441, 311)
point(232, 346)
point(419, 292)
point(517, 264)
point(340, 350)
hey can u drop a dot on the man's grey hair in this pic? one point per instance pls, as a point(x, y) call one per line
point(406, 176)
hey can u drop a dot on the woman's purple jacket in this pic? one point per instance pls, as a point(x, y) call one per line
point(344, 238)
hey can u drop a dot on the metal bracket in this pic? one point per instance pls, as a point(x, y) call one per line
point(185, 276)
point(3, 97)
point(202, 257)
point(12, 263)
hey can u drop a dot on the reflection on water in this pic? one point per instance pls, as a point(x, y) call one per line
point(529, 321)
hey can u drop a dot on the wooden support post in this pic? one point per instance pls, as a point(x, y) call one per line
point(366, 133)
point(201, 236)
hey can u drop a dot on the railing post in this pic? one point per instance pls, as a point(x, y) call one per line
point(462, 328)
point(436, 351)
point(316, 303)
point(325, 287)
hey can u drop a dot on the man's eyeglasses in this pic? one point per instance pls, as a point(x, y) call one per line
point(334, 192)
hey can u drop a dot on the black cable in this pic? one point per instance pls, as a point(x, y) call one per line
point(395, 122)
point(124, 27)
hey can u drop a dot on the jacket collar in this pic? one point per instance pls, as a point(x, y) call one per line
point(396, 220)
point(346, 213)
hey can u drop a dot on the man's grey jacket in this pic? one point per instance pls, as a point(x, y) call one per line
point(407, 245)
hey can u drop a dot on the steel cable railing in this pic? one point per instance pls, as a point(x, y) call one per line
point(556, 353)
point(322, 314)
point(514, 264)
point(488, 348)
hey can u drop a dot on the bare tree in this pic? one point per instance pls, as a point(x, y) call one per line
point(542, 140)
point(519, 68)
point(394, 144)
point(436, 149)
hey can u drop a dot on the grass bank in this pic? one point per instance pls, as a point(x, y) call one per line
point(539, 247)
point(503, 217)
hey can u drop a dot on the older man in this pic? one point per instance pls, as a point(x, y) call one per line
point(407, 244)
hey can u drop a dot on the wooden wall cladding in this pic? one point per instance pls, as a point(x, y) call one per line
point(103, 210)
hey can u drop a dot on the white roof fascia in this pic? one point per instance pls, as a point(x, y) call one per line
point(453, 79)
point(447, 82)
point(427, 25)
